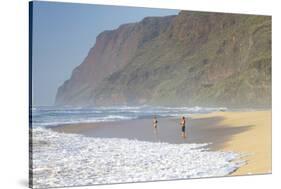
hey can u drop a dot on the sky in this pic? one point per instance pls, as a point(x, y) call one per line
point(63, 34)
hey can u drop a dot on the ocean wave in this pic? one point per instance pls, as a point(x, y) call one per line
point(49, 116)
point(71, 160)
point(83, 120)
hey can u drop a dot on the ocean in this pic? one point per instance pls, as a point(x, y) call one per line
point(52, 116)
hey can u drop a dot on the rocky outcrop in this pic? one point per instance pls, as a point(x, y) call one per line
point(194, 58)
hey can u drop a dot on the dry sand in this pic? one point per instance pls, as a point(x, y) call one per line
point(256, 140)
point(243, 132)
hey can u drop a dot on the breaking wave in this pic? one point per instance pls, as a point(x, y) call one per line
point(50, 116)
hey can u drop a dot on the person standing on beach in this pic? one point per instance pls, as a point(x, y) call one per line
point(182, 123)
point(155, 122)
point(155, 127)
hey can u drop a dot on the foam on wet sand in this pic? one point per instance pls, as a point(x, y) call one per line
point(71, 159)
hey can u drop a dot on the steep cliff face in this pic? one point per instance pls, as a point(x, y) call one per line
point(112, 51)
point(193, 58)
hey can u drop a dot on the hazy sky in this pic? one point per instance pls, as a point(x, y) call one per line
point(63, 34)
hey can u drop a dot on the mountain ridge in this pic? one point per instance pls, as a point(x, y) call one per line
point(193, 58)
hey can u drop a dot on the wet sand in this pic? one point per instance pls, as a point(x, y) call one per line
point(198, 130)
point(243, 132)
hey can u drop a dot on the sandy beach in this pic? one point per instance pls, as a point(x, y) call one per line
point(242, 132)
point(256, 140)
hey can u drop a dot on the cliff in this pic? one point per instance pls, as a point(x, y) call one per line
point(194, 58)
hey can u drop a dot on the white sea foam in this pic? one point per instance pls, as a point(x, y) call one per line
point(71, 160)
point(108, 118)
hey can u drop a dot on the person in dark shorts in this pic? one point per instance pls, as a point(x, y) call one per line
point(155, 122)
point(182, 123)
point(155, 130)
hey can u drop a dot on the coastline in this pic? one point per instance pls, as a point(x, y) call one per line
point(226, 131)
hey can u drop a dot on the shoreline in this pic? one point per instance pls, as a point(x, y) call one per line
point(241, 132)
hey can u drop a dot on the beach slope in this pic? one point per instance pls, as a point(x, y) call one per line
point(255, 141)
